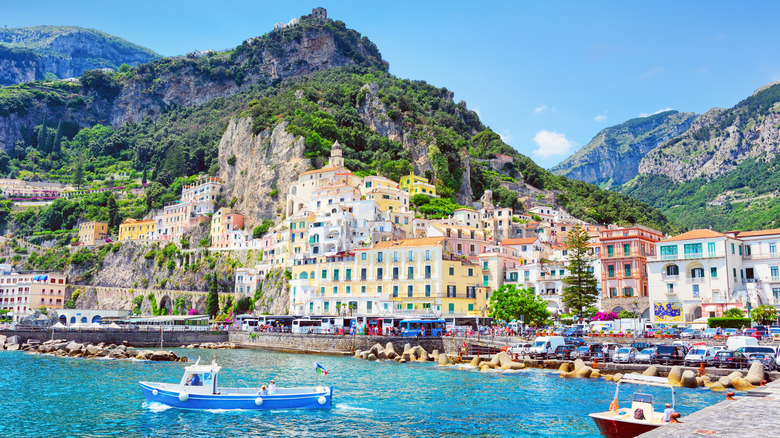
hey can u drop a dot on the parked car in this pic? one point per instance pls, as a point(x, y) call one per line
point(690, 333)
point(709, 333)
point(757, 349)
point(753, 333)
point(640, 345)
point(650, 333)
point(647, 355)
point(574, 331)
point(582, 352)
point(671, 354)
point(730, 332)
point(574, 341)
point(730, 359)
point(766, 359)
point(563, 352)
point(520, 348)
point(700, 354)
point(626, 355)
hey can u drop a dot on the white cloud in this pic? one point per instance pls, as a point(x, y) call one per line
point(551, 144)
point(652, 114)
point(600, 117)
point(506, 137)
point(540, 108)
point(476, 110)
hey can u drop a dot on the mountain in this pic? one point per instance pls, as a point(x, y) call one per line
point(722, 171)
point(49, 52)
point(259, 115)
point(612, 157)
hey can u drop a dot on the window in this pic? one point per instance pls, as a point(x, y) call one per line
point(364, 256)
point(363, 273)
point(324, 274)
point(452, 270)
point(670, 288)
point(735, 273)
point(349, 290)
point(410, 256)
point(612, 292)
point(732, 249)
point(672, 270)
point(380, 257)
point(485, 282)
point(471, 292)
point(395, 291)
point(451, 307)
point(322, 291)
point(427, 254)
point(696, 291)
point(379, 290)
point(610, 251)
point(748, 251)
point(362, 290)
point(395, 256)
point(369, 306)
point(711, 249)
point(335, 290)
point(714, 272)
point(484, 266)
point(335, 275)
point(697, 273)
point(775, 273)
point(378, 273)
point(450, 291)
point(776, 293)
point(471, 307)
point(668, 252)
point(427, 290)
point(428, 271)
point(410, 273)
point(395, 273)
point(773, 250)
point(610, 271)
point(348, 274)
point(626, 249)
point(526, 275)
point(692, 250)
point(740, 249)
point(409, 291)
point(628, 291)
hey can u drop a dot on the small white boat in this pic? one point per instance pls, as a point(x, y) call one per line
point(641, 417)
point(198, 389)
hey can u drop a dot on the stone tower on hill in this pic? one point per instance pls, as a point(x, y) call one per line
point(336, 160)
point(319, 13)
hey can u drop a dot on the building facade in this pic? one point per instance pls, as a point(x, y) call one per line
point(93, 232)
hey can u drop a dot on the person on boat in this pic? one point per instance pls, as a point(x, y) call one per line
point(263, 391)
point(194, 380)
point(668, 413)
point(272, 388)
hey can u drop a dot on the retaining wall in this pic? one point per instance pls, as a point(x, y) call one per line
point(334, 344)
point(135, 339)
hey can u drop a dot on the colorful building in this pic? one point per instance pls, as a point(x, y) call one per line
point(23, 294)
point(227, 230)
point(132, 229)
point(93, 232)
point(417, 185)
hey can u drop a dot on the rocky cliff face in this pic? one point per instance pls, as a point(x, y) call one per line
point(64, 51)
point(613, 156)
point(264, 163)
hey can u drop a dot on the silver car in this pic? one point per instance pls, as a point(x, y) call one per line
point(625, 355)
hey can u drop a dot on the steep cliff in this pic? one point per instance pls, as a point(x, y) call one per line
point(154, 87)
point(35, 53)
point(613, 156)
point(263, 165)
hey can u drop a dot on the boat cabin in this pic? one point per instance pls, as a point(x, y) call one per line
point(201, 378)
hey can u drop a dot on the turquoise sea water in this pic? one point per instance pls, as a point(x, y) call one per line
point(43, 396)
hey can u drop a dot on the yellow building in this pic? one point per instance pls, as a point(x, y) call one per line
point(132, 229)
point(389, 199)
point(403, 276)
point(93, 232)
point(417, 185)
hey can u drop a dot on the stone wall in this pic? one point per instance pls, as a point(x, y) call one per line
point(135, 339)
point(328, 343)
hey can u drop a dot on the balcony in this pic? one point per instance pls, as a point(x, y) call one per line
point(775, 279)
point(670, 277)
point(750, 280)
point(695, 279)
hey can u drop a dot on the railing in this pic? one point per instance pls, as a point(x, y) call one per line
point(775, 279)
point(694, 255)
point(670, 277)
point(695, 279)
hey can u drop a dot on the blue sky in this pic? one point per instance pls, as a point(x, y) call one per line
point(545, 75)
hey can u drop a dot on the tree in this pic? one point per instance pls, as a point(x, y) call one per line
point(764, 315)
point(143, 179)
point(579, 291)
point(509, 303)
point(113, 213)
point(56, 144)
point(419, 200)
point(78, 173)
point(734, 313)
point(212, 300)
point(42, 136)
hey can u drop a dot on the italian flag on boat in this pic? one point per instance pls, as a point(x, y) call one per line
point(320, 369)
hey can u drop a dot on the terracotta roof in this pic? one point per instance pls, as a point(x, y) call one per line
point(408, 243)
point(695, 234)
point(324, 169)
point(525, 241)
point(757, 233)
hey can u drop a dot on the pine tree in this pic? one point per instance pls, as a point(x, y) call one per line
point(42, 136)
point(113, 213)
point(143, 179)
point(78, 173)
point(212, 300)
point(580, 290)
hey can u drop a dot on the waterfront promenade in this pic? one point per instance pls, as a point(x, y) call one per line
point(750, 414)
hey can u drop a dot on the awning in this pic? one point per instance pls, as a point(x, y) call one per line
point(711, 309)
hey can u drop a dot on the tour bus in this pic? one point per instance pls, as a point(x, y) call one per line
point(306, 326)
point(246, 323)
point(413, 327)
point(462, 323)
point(281, 323)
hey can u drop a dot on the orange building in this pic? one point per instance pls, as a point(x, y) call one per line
point(624, 253)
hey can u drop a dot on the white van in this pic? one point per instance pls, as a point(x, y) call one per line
point(700, 353)
point(545, 345)
point(734, 342)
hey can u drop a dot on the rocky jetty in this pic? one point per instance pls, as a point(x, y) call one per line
point(213, 345)
point(64, 348)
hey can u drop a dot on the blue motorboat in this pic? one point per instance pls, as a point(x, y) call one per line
point(199, 389)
